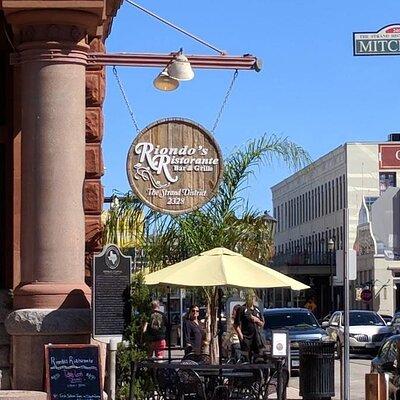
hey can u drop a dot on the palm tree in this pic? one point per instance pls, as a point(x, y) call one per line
point(226, 221)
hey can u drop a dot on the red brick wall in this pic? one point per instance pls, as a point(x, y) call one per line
point(93, 194)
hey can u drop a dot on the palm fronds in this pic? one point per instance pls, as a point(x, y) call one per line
point(227, 220)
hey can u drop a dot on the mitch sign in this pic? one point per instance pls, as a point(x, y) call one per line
point(389, 156)
point(174, 166)
point(385, 42)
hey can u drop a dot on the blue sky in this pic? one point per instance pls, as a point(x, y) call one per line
point(311, 89)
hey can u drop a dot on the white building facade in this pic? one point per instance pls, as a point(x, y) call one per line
point(309, 207)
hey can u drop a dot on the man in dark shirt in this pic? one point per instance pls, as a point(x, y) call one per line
point(248, 322)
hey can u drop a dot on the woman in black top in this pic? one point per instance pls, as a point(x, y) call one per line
point(194, 333)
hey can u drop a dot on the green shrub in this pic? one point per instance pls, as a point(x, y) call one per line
point(133, 350)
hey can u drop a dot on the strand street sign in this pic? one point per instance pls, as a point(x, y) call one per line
point(385, 42)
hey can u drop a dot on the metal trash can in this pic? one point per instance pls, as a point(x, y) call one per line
point(317, 370)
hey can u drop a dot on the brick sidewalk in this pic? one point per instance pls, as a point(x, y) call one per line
point(291, 394)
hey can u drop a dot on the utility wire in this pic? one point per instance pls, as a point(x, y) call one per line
point(176, 27)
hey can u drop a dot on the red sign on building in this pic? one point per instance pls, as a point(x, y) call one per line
point(389, 156)
point(366, 295)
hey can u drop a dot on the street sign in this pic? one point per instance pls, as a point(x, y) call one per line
point(280, 343)
point(111, 281)
point(385, 42)
point(174, 166)
point(389, 156)
point(366, 295)
point(352, 262)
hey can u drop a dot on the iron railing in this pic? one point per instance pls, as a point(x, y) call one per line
point(304, 258)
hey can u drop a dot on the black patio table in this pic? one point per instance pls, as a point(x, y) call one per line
point(231, 376)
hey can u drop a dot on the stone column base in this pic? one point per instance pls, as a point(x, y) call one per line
point(31, 329)
point(22, 395)
point(52, 294)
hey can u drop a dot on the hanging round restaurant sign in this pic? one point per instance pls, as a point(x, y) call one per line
point(174, 166)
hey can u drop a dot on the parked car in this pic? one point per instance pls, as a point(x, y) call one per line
point(325, 319)
point(300, 324)
point(367, 330)
point(387, 318)
point(395, 323)
point(386, 362)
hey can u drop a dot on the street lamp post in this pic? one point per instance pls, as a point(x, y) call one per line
point(270, 223)
point(331, 248)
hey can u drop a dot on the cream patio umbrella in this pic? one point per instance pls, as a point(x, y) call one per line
point(220, 267)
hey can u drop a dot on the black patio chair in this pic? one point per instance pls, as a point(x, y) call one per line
point(242, 357)
point(190, 384)
point(247, 387)
point(271, 381)
point(198, 358)
point(145, 376)
point(221, 392)
point(167, 383)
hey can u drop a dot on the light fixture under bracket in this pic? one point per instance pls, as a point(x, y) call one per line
point(180, 68)
point(165, 82)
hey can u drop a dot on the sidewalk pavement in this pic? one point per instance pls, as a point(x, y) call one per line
point(291, 394)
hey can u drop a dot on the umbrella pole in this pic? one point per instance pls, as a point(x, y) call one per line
point(169, 323)
point(220, 326)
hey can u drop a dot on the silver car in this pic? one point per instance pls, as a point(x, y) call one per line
point(367, 330)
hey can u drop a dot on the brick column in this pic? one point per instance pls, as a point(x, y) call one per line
point(93, 190)
point(53, 60)
point(52, 302)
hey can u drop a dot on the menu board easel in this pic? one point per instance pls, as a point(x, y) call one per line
point(72, 371)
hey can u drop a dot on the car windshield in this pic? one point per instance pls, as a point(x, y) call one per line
point(289, 320)
point(364, 318)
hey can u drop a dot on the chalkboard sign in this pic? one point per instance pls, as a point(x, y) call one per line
point(111, 280)
point(73, 372)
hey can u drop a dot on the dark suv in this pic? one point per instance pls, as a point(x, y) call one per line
point(300, 324)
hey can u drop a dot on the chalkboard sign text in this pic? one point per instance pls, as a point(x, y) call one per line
point(73, 372)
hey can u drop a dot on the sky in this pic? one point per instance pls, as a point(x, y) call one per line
point(311, 88)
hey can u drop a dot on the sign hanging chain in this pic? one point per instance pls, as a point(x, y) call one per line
point(228, 92)
point(134, 122)
point(128, 106)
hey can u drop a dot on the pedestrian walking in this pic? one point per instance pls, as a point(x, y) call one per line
point(311, 304)
point(194, 333)
point(155, 331)
point(233, 338)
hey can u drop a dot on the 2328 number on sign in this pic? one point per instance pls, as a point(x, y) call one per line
point(175, 200)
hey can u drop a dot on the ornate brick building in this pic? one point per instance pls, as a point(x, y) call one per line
point(51, 128)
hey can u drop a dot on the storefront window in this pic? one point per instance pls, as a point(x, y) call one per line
point(386, 179)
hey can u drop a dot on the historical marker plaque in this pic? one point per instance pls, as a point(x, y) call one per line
point(111, 280)
point(174, 166)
